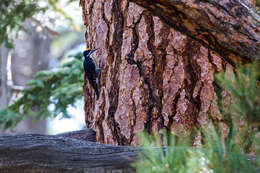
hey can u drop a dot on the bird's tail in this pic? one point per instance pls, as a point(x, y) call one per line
point(97, 92)
point(94, 84)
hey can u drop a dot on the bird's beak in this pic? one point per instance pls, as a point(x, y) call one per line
point(93, 50)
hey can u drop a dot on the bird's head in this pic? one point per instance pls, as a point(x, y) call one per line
point(88, 52)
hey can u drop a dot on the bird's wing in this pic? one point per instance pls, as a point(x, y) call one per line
point(90, 66)
point(91, 71)
point(97, 70)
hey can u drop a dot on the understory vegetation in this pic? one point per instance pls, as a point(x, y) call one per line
point(233, 152)
point(49, 94)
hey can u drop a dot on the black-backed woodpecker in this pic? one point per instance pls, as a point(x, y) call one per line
point(91, 69)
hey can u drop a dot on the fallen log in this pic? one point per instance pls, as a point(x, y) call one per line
point(66, 153)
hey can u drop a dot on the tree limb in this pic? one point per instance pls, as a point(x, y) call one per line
point(231, 28)
point(4, 92)
point(66, 153)
point(46, 28)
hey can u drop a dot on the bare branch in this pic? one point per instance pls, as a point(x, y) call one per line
point(37, 22)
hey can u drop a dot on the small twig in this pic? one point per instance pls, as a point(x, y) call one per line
point(16, 88)
point(46, 28)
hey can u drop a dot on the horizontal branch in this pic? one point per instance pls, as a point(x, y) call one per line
point(231, 28)
point(46, 28)
point(66, 153)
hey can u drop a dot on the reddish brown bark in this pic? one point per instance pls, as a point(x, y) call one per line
point(230, 27)
point(153, 77)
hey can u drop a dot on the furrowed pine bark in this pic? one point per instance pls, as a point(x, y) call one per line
point(229, 27)
point(153, 76)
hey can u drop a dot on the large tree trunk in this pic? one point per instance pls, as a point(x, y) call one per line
point(154, 77)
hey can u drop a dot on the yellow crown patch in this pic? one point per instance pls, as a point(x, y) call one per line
point(88, 49)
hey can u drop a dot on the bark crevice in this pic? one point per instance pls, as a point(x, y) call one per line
point(154, 76)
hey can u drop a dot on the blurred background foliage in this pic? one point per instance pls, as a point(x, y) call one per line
point(42, 12)
point(13, 13)
point(39, 80)
point(48, 94)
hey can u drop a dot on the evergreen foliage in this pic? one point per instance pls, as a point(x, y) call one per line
point(169, 156)
point(50, 89)
point(48, 94)
point(13, 14)
point(244, 88)
point(176, 155)
point(167, 153)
